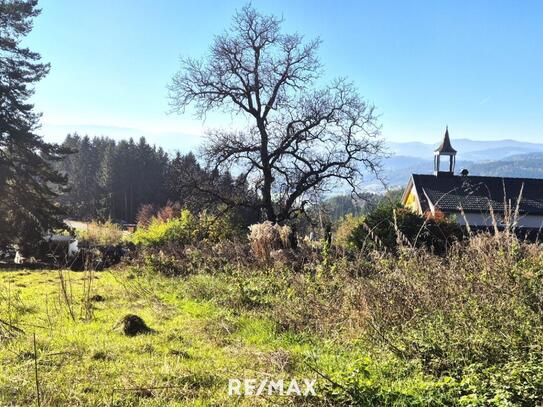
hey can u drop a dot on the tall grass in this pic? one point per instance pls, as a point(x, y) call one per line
point(266, 237)
point(469, 320)
point(100, 233)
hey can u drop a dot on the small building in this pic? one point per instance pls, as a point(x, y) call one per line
point(479, 201)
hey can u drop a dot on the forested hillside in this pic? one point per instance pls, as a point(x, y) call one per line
point(521, 165)
point(113, 180)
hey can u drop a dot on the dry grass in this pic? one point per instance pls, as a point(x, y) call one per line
point(98, 233)
point(267, 237)
point(414, 317)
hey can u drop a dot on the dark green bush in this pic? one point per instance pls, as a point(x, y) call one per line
point(391, 225)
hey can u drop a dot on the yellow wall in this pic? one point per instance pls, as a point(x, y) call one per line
point(411, 201)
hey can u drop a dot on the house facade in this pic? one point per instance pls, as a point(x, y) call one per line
point(478, 201)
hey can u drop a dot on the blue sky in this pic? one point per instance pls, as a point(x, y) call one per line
point(474, 65)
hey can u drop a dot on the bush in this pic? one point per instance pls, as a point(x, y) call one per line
point(98, 233)
point(345, 229)
point(172, 210)
point(145, 215)
point(158, 233)
point(391, 226)
point(186, 244)
point(183, 230)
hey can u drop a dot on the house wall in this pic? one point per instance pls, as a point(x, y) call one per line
point(411, 201)
point(485, 219)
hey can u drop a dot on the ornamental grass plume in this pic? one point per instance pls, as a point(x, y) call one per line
point(266, 237)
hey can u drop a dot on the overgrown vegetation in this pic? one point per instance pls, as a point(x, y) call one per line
point(404, 327)
point(464, 329)
point(100, 233)
point(435, 317)
point(267, 237)
point(184, 229)
point(390, 226)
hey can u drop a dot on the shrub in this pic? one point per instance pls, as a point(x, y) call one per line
point(145, 215)
point(98, 233)
point(184, 229)
point(170, 211)
point(187, 244)
point(345, 229)
point(391, 226)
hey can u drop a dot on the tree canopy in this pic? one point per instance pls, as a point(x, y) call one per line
point(300, 139)
point(28, 181)
point(114, 180)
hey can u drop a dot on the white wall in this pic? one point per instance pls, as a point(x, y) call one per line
point(484, 219)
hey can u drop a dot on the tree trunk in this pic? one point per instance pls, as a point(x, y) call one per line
point(266, 172)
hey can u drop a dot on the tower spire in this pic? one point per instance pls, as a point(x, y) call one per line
point(446, 146)
point(445, 149)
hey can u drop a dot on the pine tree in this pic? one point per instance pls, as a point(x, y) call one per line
point(28, 182)
point(106, 178)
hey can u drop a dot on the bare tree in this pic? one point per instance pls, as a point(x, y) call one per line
point(300, 140)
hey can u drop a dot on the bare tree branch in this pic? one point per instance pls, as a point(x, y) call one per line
point(302, 140)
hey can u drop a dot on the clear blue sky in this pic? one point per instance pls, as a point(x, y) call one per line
point(474, 65)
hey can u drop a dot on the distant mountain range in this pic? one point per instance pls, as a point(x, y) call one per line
point(505, 158)
point(470, 150)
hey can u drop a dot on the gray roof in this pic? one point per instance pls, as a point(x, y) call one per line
point(479, 194)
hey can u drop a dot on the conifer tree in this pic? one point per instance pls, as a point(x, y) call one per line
point(106, 180)
point(28, 182)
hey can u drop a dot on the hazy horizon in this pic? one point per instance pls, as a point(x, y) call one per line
point(172, 141)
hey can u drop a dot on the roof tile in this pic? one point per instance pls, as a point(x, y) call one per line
point(479, 194)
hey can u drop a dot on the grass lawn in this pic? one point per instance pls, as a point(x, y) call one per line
point(85, 359)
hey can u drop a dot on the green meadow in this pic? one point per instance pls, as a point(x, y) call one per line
point(83, 358)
